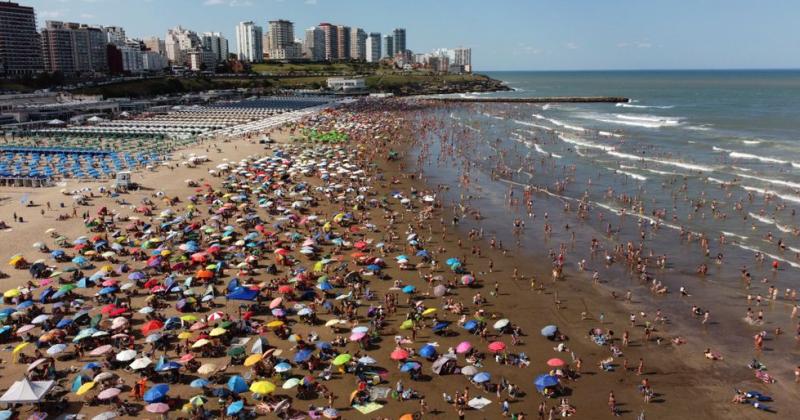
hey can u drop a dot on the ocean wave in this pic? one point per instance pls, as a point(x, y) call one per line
point(559, 123)
point(733, 235)
point(628, 105)
point(741, 169)
point(690, 166)
point(765, 159)
point(774, 257)
point(764, 191)
point(704, 127)
point(492, 116)
point(530, 124)
point(752, 142)
point(771, 181)
point(585, 144)
point(630, 174)
point(768, 221)
point(608, 134)
point(544, 152)
point(646, 121)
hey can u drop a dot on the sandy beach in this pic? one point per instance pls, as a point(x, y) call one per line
point(511, 284)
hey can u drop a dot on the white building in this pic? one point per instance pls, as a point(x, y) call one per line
point(249, 42)
point(373, 47)
point(131, 58)
point(463, 57)
point(314, 44)
point(178, 42)
point(115, 35)
point(345, 84)
point(153, 61)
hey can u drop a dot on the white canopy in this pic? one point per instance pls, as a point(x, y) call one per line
point(26, 391)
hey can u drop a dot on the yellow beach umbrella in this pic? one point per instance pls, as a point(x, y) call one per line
point(274, 324)
point(20, 346)
point(428, 311)
point(216, 332)
point(262, 387)
point(189, 318)
point(85, 388)
point(15, 260)
point(200, 343)
point(407, 324)
point(185, 335)
point(253, 359)
point(12, 293)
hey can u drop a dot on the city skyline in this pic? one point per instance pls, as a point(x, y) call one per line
point(540, 35)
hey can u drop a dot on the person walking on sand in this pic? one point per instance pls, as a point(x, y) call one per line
point(640, 368)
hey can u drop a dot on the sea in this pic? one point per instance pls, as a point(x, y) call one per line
point(693, 155)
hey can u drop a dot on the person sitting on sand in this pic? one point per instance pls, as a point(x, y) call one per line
point(711, 355)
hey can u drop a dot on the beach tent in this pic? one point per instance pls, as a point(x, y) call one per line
point(25, 391)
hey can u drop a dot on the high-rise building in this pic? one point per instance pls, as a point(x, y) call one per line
point(20, 45)
point(358, 44)
point(388, 46)
point(179, 42)
point(399, 36)
point(373, 47)
point(217, 45)
point(463, 57)
point(72, 48)
point(156, 45)
point(249, 41)
point(331, 36)
point(115, 35)
point(314, 44)
point(343, 42)
point(281, 44)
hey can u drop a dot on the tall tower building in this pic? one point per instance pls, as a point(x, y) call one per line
point(399, 35)
point(358, 44)
point(249, 41)
point(388, 46)
point(331, 36)
point(216, 44)
point(343, 42)
point(314, 44)
point(72, 48)
point(373, 47)
point(20, 45)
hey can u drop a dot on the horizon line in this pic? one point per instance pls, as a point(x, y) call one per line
point(644, 69)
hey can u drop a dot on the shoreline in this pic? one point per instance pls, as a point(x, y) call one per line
point(527, 307)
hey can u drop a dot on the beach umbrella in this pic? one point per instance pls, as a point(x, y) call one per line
point(103, 376)
point(499, 325)
point(330, 413)
point(409, 289)
point(549, 330)
point(85, 388)
point(234, 408)
point(545, 381)
point(357, 336)
point(260, 346)
point(197, 400)
point(399, 354)
point(410, 366)
point(151, 326)
point(427, 351)
point(157, 393)
point(101, 350)
point(481, 377)
point(440, 326)
point(141, 363)
point(282, 367)
point(108, 394)
point(157, 408)
point(290, 383)
point(469, 370)
point(56, 349)
point(303, 355)
point(252, 359)
point(555, 362)
point(237, 384)
point(463, 347)
point(342, 359)
point(470, 325)
point(199, 383)
point(497, 346)
point(207, 369)
point(262, 387)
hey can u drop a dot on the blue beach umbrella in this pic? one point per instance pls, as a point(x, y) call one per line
point(199, 383)
point(549, 330)
point(302, 355)
point(544, 381)
point(409, 289)
point(481, 377)
point(409, 366)
point(157, 393)
point(235, 408)
point(470, 325)
point(440, 326)
point(237, 384)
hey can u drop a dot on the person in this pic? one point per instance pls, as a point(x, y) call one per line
point(505, 407)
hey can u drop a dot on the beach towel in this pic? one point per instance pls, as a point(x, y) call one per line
point(479, 402)
point(379, 393)
point(368, 408)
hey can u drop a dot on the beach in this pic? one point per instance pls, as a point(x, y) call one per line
point(516, 284)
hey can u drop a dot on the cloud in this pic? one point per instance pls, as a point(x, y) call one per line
point(525, 49)
point(635, 44)
point(571, 46)
point(50, 14)
point(311, 2)
point(231, 3)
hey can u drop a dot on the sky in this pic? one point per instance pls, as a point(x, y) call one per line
point(503, 34)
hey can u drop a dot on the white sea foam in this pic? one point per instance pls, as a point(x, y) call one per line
point(586, 144)
point(646, 121)
point(772, 181)
point(544, 152)
point(718, 181)
point(719, 149)
point(698, 127)
point(628, 105)
point(733, 235)
point(768, 221)
point(630, 174)
point(765, 159)
point(690, 166)
point(752, 142)
point(529, 124)
point(545, 107)
point(763, 191)
point(559, 123)
point(741, 169)
point(774, 257)
point(608, 134)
